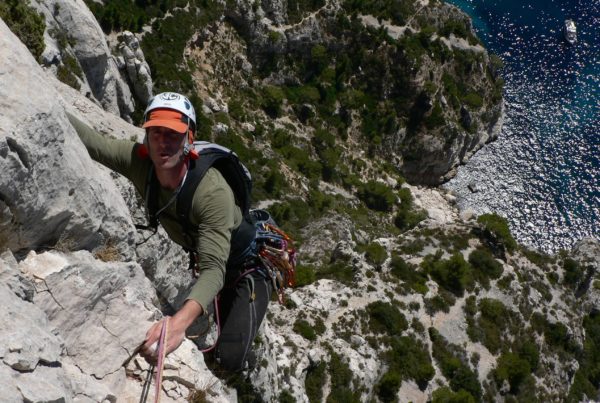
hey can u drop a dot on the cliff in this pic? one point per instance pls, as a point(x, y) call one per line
point(399, 297)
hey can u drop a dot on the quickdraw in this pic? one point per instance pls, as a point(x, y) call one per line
point(275, 251)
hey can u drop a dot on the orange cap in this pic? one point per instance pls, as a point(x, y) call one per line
point(167, 118)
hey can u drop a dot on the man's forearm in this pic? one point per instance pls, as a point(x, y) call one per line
point(187, 314)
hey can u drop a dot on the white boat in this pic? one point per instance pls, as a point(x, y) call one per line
point(570, 31)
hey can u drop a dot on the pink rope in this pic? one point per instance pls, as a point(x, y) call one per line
point(216, 303)
point(162, 346)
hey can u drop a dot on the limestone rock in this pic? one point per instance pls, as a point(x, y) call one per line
point(46, 178)
point(136, 67)
point(86, 41)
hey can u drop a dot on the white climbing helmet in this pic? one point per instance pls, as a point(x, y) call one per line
point(172, 110)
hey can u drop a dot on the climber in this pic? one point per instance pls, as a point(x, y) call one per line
point(168, 153)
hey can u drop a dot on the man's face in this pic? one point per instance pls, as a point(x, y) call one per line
point(165, 146)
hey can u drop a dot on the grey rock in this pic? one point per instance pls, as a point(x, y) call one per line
point(87, 301)
point(45, 386)
point(136, 66)
point(39, 150)
point(220, 128)
point(88, 44)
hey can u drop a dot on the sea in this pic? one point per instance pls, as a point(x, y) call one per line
point(543, 172)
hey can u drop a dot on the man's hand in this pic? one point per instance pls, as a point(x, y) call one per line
point(176, 331)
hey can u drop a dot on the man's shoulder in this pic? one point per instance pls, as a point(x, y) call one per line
point(213, 181)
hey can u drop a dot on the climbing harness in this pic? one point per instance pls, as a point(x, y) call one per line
point(271, 255)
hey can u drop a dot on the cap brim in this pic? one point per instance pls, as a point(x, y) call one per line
point(179, 127)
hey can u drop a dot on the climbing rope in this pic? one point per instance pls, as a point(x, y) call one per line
point(162, 347)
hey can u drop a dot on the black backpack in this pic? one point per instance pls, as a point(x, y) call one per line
point(237, 176)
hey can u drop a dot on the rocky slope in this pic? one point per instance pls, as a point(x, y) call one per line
point(445, 308)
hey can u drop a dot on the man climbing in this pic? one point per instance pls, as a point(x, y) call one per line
point(168, 156)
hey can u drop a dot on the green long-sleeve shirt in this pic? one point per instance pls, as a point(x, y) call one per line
point(214, 214)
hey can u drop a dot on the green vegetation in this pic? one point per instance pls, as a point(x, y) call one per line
point(286, 397)
point(305, 274)
point(25, 23)
point(574, 273)
point(587, 377)
point(408, 216)
point(446, 395)
point(492, 327)
point(407, 359)
point(388, 386)
point(513, 369)
point(305, 329)
point(386, 318)
point(339, 271)
point(454, 275)
point(341, 381)
point(164, 46)
point(374, 253)
point(315, 380)
point(413, 278)
point(485, 266)
point(555, 334)
point(496, 231)
point(377, 196)
point(441, 302)
point(395, 11)
point(453, 363)
point(69, 70)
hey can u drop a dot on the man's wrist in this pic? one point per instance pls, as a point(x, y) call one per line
point(188, 313)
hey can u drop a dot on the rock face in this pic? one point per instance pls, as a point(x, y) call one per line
point(72, 30)
point(73, 321)
point(135, 64)
point(39, 150)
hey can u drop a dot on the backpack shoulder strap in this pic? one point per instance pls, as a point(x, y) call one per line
point(196, 172)
point(151, 198)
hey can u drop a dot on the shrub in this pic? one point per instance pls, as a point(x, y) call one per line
point(473, 100)
point(388, 386)
point(314, 382)
point(384, 317)
point(485, 266)
point(454, 368)
point(573, 272)
point(446, 395)
point(377, 196)
point(494, 318)
point(496, 229)
point(319, 326)
point(529, 351)
point(441, 302)
point(408, 216)
point(411, 359)
point(304, 329)
point(25, 23)
point(286, 397)
point(272, 98)
point(513, 369)
point(409, 273)
point(339, 271)
point(375, 253)
point(341, 381)
point(305, 274)
point(587, 378)
point(455, 274)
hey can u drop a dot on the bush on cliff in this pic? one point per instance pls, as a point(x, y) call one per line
point(25, 23)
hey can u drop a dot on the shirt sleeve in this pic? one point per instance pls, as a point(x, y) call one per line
point(117, 155)
point(216, 214)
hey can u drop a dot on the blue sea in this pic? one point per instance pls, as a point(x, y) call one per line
point(543, 172)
